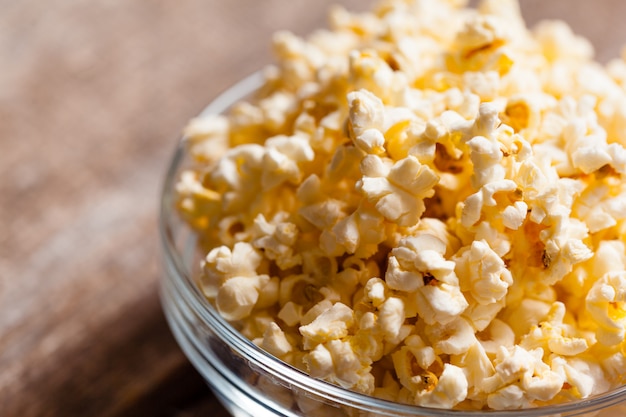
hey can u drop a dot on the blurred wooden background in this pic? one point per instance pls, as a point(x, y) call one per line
point(93, 95)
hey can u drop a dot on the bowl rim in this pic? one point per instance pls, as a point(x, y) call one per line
point(294, 377)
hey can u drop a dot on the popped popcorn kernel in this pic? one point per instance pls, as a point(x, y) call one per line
point(605, 304)
point(332, 324)
point(275, 342)
point(426, 203)
point(397, 191)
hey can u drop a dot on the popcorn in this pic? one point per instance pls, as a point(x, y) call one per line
point(450, 390)
point(583, 377)
point(520, 378)
point(238, 295)
point(452, 338)
point(290, 313)
point(332, 324)
point(222, 263)
point(335, 360)
point(425, 203)
point(477, 366)
point(416, 257)
point(276, 240)
point(484, 275)
point(555, 336)
point(360, 233)
point(605, 304)
point(417, 266)
point(281, 160)
point(474, 204)
point(398, 191)
point(366, 120)
point(391, 317)
point(205, 137)
point(275, 342)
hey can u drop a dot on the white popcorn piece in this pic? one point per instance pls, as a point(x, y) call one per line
point(417, 266)
point(484, 274)
point(555, 336)
point(514, 215)
point(376, 291)
point(449, 129)
point(450, 390)
point(473, 205)
point(499, 334)
point(414, 353)
point(320, 362)
point(479, 32)
point(486, 156)
point(296, 288)
point(206, 137)
point(605, 304)
point(529, 312)
point(367, 342)
point(521, 377)
point(400, 279)
point(360, 233)
point(332, 324)
point(367, 114)
point(196, 203)
point(601, 206)
point(583, 378)
point(269, 293)
point(315, 311)
point(509, 397)
point(477, 366)
point(415, 375)
point(298, 59)
point(391, 317)
point(453, 338)
point(206, 126)
point(610, 256)
point(613, 366)
point(282, 159)
point(484, 84)
point(238, 165)
point(222, 263)
point(238, 295)
point(275, 342)
point(399, 191)
point(559, 42)
point(277, 109)
point(336, 361)
point(369, 72)
point(481, 315)
point(498, 240)
point(438, 304)
point(276, 239)
point(417, 259)
point(290, 313)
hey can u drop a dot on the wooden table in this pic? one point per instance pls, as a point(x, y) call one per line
point(93, 95)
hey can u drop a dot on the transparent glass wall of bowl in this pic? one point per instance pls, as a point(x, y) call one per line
point(250, 382)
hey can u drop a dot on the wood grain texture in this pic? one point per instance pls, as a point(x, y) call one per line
point(93, 94)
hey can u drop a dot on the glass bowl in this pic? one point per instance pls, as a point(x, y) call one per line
point(250, 382)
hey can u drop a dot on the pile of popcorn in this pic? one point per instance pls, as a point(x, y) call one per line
point(425, 203)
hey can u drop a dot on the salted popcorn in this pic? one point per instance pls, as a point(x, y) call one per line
point(425, 203)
